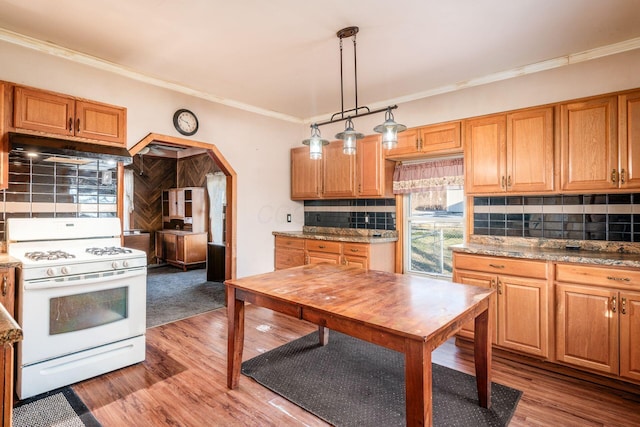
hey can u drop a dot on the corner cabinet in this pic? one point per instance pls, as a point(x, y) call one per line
point(57, 114)
point(522, 308)
point(510, 152)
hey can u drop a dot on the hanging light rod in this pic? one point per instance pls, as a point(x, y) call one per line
point(389, 128)
point(367, 113)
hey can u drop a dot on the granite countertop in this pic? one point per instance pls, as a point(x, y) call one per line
point(350, 235)
point(623, 256)
point(7, 261)
point(10, 331)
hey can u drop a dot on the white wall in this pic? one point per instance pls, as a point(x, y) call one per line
point(258, 147)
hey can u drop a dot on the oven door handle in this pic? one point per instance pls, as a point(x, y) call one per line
point(53, 283)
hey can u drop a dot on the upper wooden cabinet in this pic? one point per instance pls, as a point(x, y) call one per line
point(374, 174)
point(427, 140)
point(185, 208)
point(338, 175)
point(305, 175)
point(589, 144)
point(629, 137)
point(338, 172)
point(510, 152)
point(52, 113)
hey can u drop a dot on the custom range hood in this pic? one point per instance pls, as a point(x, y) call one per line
point(83, 150)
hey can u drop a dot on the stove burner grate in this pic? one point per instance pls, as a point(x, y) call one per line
point(48, 255)
point(111, 250)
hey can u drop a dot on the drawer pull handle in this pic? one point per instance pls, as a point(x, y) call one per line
point(614, 304)
point(321, 246)
point(354, 250)
point(619, 279)
point(623, 306)
point(70, 124)
point(496, 266)
point(4, 285)
point(621, 176)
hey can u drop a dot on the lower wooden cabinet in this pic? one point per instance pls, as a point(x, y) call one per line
point(598, 319)
point(294, 252)
point(8, 289)
point(181, 248)
point(522, 303)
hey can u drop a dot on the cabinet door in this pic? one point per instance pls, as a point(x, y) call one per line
point(176, 203)
point(287, 258)
point(485, 158)
point(587, 327)
point(7, 289)
point(407, 144)
point(630, 335)
point(482, 280)
point(305, 175)
point(441, 138)
point(170, 246)
point(338, 172)
point(589, 144)
point(370, 171)
point(355, 261)
point(194, 249)
point(100, 121)
point(43, 111)
point(523, 315)
point(530, 150)
point(629, 111)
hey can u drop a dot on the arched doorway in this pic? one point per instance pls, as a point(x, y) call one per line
point(152, 140)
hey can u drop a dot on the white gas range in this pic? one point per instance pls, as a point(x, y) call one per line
point(81, 300)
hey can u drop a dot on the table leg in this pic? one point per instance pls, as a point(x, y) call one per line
point(235, 337)
point(323, 335)
point(482, 355)
point(418, 382)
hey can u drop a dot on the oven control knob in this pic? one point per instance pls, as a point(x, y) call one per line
point(114, 264)
point(51, 272)
point(125, 263)
point(64, 270)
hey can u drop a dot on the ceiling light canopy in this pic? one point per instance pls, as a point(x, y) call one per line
point(389, 129)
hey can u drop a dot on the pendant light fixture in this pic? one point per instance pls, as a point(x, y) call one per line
point(349, 136)
point(315, 143)
point(389, 130)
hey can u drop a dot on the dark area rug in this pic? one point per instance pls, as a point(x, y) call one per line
point(173, 294)
point(60, 408)
point(350, 382)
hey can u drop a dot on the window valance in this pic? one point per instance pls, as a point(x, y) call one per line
point(427, 176)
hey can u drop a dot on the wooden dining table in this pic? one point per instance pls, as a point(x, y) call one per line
point(407, 313)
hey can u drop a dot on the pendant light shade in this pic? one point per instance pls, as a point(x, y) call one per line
point(349, 137)
point(315, 143)
point(389, 130)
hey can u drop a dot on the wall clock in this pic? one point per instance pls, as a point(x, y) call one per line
point(185, 122)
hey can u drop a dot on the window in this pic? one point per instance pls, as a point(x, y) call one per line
point(434, 206)
point(434, 222)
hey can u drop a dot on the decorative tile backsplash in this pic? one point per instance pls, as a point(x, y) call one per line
point(376, 214)
point(607, 217)
point(55, 185)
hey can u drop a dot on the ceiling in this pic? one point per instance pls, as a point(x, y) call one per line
point(281, 58)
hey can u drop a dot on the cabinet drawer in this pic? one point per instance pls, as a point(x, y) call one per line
point(497, 265)
point(323, 246)
point(596, 275)
point(289, 242)
point(355, 249)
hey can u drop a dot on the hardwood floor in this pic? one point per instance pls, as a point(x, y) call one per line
point(183, 382)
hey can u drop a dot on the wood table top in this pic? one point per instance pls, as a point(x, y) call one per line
point(412, 306)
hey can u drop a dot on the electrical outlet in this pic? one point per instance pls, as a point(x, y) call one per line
point(366, 219)
point(288, 217)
